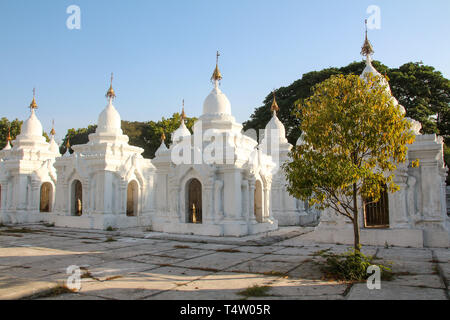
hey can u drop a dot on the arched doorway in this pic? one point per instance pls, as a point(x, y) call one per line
point(77, 198)
point(194, 201)
point(376, 214)
point(46, 197)
point(258, 211)
point(132, 199)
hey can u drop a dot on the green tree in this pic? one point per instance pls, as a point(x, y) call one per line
point(354, 136)
point(78, 136)
point(168, 126)
point(425, 94)
point(5, 125)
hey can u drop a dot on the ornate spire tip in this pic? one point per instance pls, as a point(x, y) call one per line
point(111, 94)
point(217, 76)
point(367, 49)
point(274, 107)
point(33, 105)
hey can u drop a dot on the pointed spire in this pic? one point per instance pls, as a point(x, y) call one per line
point(53, 132)
point(68, 144)
point(367, 49)
point(33, 105)
point(163, 137)
point(111, 94)
point(8, 140)
point(183, 114)
point(274, 107)
point(217, 76)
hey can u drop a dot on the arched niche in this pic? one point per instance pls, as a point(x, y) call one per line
point(46, 196)
point(194, 201)
point(132, 199)
point(76, 198)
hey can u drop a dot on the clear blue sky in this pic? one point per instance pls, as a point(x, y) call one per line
point(164, 51)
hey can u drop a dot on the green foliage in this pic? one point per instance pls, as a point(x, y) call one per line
point(447, 159)
point(425, 93)
point(351, 266)
point(146, 135)
point(168, 126)
point(79, 136)
point(353, 135)
point(5, 124)
point(255, 291)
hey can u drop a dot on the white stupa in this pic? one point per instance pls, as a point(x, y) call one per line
point(217, 189)
point(27, 170)
point(104, 182)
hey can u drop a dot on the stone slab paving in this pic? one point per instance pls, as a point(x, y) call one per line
point(395, 292)
point(137, 264)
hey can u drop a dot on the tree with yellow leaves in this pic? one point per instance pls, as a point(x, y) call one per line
point(353, 137)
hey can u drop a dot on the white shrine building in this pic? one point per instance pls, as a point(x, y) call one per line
point(215, 181)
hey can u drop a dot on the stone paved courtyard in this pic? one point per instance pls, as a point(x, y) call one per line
point(136, 264)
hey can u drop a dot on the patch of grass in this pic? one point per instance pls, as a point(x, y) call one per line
point(255, 291)
point(320, 252)
point(110, 229)
point(181, 247)
point(228, 250)
point(110, 239)
point(351, 266)
point(276, 274)
point(53, 292)
point(49, 225)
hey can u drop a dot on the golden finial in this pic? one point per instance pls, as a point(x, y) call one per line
point(53, 132)
point(367, 48)
point(68, 144)
point(163, 137)
point(8, 138)
point(33, 104)
point(274, 106)
point(111, 94)
point(217, 76)
point(183, 114)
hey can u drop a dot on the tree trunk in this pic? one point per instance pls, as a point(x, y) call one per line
point(357, 244)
